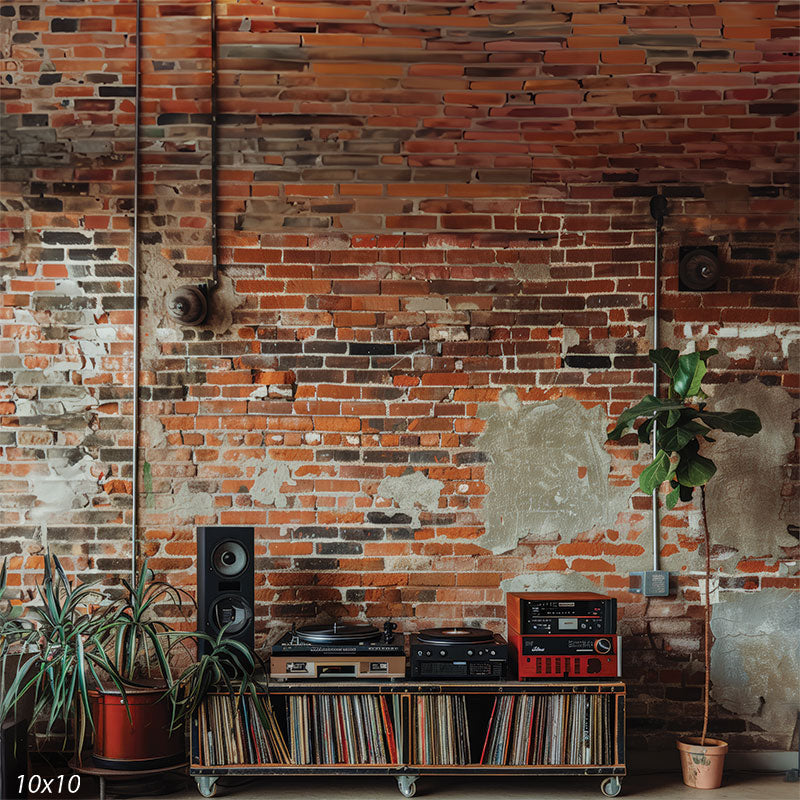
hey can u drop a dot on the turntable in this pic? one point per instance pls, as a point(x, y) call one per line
point(339, 651)
point(458, 653)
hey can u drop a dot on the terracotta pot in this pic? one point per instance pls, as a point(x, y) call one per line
point(142, 742)
point(702, 764)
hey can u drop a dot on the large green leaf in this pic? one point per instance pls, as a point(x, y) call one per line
point(654, 475)
point(675, 438)
point(672, 498)
point(688, 375)
point(706, 354)
point(667, 360)
point(644, 408)
point(695, 470)
point(741, 421)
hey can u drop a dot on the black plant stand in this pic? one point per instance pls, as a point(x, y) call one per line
point(103, 775)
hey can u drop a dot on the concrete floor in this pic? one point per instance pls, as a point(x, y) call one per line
point(661, 786)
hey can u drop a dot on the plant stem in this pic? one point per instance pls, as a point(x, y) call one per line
point(707, 620)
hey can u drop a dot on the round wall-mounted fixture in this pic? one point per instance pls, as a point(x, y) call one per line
point(189, 305)
point(699, 269)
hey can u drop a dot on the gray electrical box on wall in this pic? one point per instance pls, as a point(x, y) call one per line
point(653, 583)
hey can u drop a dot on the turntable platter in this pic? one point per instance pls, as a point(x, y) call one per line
point(443, 636)
point(337, 634)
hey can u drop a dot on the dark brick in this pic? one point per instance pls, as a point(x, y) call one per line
point(35, 120)
point(371, 349)
point(339, 548)
point(45, 203)
point(117, 91)
point(380, 518)
point(172, 119)
point(49, 78)
point(587, 362)
point(64, 25)
point(773, 109)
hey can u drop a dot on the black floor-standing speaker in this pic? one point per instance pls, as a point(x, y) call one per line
point(226, 583)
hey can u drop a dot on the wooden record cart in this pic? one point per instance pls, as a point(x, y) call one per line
point(481, 701)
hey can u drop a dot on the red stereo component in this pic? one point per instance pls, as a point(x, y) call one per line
point(566, 656)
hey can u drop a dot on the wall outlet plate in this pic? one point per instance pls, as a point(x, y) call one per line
point(653, 583)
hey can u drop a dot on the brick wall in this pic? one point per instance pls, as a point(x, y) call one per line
point(421, 205)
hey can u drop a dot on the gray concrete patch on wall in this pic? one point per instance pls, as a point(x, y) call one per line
point(412, 493)
point(755, 658)
point(186, 504)
point(550, 582)
point(548, 472)
point(269, 477)
point(746, 509)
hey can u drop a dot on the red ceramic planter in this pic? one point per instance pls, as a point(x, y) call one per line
point(141, 742)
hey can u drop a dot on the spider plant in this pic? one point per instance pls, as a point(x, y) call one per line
point(140, 639)
point(69, 629)
point(226, 663)
point(82, 640)
point(15, 634)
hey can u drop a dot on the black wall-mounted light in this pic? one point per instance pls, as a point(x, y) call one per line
point(189, 305)
point(698, 269)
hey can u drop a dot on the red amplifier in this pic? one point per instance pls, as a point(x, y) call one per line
point(566, 656)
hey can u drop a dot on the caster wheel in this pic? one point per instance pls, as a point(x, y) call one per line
point(207, 786)
point(407, 786)
point(611, 787)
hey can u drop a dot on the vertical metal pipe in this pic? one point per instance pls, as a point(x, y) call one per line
point(135, 263)
point(213, 145)
point(656, 293)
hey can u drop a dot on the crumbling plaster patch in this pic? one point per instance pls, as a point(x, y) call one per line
point(548, 472)
point(158, 282)
point(549, 582)
point(186, 504)
point(755, 658)
point(412, 493)
point(67, 484)
point(269, 478)
point(746, 511)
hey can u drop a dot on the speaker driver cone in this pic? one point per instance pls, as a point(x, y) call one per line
point(230, 610)
point(229, 559)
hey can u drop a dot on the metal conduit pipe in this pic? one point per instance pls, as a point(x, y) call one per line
point(135, 263)
point(658, 208)
point(214, 282)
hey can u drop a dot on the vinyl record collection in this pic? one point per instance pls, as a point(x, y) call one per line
point(549, 729)
point(439, 728)
point(232, 732)
point(344, 729)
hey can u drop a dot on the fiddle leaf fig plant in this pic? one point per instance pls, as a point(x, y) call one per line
point(682, 422)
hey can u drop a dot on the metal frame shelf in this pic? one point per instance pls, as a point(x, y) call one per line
point(407, 772)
